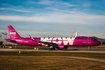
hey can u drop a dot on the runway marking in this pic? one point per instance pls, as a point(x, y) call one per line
point(29, 50)
point(84, 58)
point(91, 59)
point(33, 50)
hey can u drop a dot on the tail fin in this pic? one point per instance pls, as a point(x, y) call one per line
point(12, 32)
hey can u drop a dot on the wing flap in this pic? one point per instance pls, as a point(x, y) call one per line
point(43, 42)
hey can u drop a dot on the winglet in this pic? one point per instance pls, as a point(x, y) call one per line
point(31, 38)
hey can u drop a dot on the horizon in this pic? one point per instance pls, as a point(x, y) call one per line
point(57, 18)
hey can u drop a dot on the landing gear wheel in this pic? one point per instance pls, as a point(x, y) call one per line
point(36, 48)
point(65, 47)
point(51, 48)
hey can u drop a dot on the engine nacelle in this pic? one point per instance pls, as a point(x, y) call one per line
point(65, 47)
point(61, 47)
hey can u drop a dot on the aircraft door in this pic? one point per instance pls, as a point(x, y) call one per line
point(89, 40)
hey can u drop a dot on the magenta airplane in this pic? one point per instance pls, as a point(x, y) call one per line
point(51, 42)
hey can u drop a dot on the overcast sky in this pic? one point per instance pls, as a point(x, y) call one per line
point(55, 18)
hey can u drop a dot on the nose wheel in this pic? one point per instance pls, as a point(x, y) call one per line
point(36, 48)
point(89, 48)
point(51, 48)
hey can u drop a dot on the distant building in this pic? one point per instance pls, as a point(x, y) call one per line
point(1, 44)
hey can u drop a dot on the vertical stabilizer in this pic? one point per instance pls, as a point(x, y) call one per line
point(12, 32)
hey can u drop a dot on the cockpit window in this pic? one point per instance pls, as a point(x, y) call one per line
point(95, 39)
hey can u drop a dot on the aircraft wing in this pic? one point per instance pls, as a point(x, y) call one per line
point(54, 45)
point(44, 42)
point(48, 43)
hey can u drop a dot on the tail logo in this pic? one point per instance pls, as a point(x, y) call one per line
point(12, 32)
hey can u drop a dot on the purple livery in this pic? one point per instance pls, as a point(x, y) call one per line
point(52, 42)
